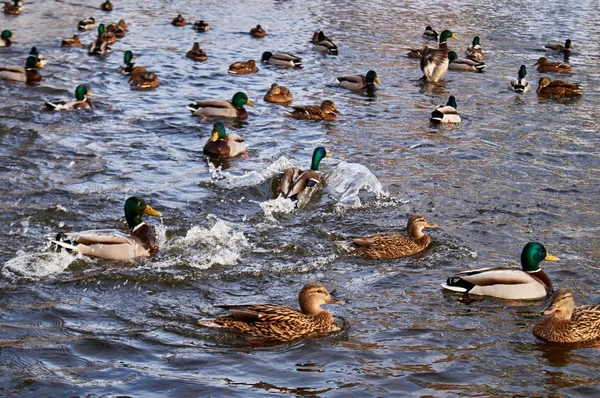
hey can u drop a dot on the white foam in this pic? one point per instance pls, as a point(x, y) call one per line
point(346, 180)
point(37, 265)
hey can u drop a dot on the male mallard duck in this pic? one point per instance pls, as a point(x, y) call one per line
point(40, 58)
point(464, 64)
point(233, 108)
point(196, 53)
point(243, 68)
point(434, 62)
point(27, 74)
point(112, 244)
point(5, 37)
point(282, 59)
point(389, 245)
point(507, 283)
point(179, 20)
point(87, 24)
point(520, 85)
point(446, 114)
point(141, 78)
point(106, 6)
point(278, 94)
point(557, 48)
point(358, 82)
point(100, 46)
point(566, 323)
point(223, 144)
point(326, 111)
point(299, 186)
point(201, 26)
point(128, 63)
point(558, 87)
point(258, 31)
point(72, 42)
point(282, 322)
point(14, 8)
point(430, 34)
point(544, 66)
point(324, 44)
point(118, 29)
point(81, 101)
point(475, 51)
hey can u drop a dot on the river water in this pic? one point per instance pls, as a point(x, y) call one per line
point(518, 168)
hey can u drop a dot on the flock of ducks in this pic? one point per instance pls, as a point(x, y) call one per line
point(563, 323)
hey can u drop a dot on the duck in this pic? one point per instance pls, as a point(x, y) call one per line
point(14, 8)
point(430, 34)
point(201, 26)
point(529, 283)
point(179, 20)
point(233, 108)
point(324, 44)
point(118, 29)
point(81, 101)
point(299, 186)
point(475, 51)
point(243, 68)
point(258, 31)
point(87, 24)
point(558, 87)
point(100, 46)
point(566, 323)
point(464, 64)
point(40, 58)
point(28, 74)
point(5, 38)
point(72, 42)
point(520, 84)
point(434, 62)
point(415, 53)
point(223, 144)
point(390, 245)
point(544, 66)
point(278, 94)
point(278, 322)
point(196, 53)
point(128, 63)
point(557, 48)
point(326, 111)
point(106, 6)
point(111, 244)
point(318, 36)
point(281, 59)
point(140, 77)
point(358, 82)
point(446, 114)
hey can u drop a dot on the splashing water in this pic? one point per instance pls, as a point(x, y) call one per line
point(37, 265)
point(255, 177)
point(346, 180)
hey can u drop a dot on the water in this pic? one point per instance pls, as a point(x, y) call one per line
point(517, 169)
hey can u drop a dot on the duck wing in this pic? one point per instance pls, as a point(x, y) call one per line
point(268, 313)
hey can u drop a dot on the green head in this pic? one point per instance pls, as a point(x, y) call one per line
point(81, 91)
point(240, 99)
point(317, 156)
point(522, 72)
point(218, 132)
point(447, 35)
point(101, 29)
point(6, 34)
point(475, 41)
point(372, 77)
point(533, 254)
point(34, 52)
point(134, 208)
point(266, 56)
point(452, 56)
point(451, 102)
point(32, 62)
point(128, 56)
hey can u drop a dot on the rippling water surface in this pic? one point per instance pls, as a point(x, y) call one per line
point(517, 169)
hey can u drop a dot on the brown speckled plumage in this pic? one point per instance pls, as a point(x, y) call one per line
point(558, 87)
point(243, 68)
point(326, 111)
point(278, 94)
point(544, 66)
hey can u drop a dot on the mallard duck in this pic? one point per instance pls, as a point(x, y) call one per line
point(475, 51)
point(430, 34)
point(434, 62)
point(464, 64)
point(141, 78)
point(319, 35)
point(390, 245)
point(258, 31)
point(326, 111)
point(233, 108)
point(128, 63)
point(565, 323)
point(106, 6)
point(281, 322)
point(28, 74)
point(179, 20)
point(282, 59)
point(415, 53)
point(112, 244)
point(507, 283)
point(5, 37)
point(81, 101)
point(40, 58)
point(201, 26)
point(558, 87)
point(446, 114)
point(100, 46)
point(87, 24)
point(196, 53)
point(557, 48)
point(544, 66)
point(118, 30)
point(278, 94)
point(299, 186)
point(324, 44)
point(243, 68)
point(72, 42)
point(520, 85)
point(358, 82)
point(14, 8)
point(223, 144)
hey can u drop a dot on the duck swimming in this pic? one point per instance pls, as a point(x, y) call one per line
point(300, 186)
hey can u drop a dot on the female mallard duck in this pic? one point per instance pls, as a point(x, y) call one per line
point(299, 186)
point(233, 108)
point(258, 31)
point(106, 6)
point(430, 34)
point(557, 48)
point(558, 87)
point(520, 85)
point(544, 66)
point(81, 101)
point(281, 322)
point(5, 37)
point(278, 94)
point(222, 144)
point(128, 63)
point(243, 68)
point(118, 29)
point(72, 42)
point(281, 59)
point(434, 62)
point(140, 77)
point(506, 283)
point(358, 82)
point(14, 8)
point(390, 245)
point(40, 58)
point(324, 44)
point(475, 51)
point(179, 20)
point(566, 323)
point(100, 46)
point(27, 74)
point(201, 26)
point(464, 64)
point(86, 24)
point(326, 111)
point(446, 114)
point(196, 53)
point(112, 244)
